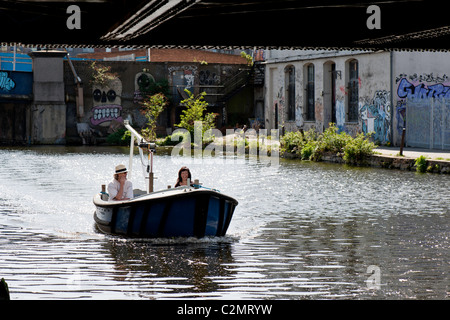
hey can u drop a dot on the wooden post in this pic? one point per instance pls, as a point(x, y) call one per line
point(130, 161)
point(150, 182)
point(431, 124)
point(150, 174)
point(403, 141)
point(103, 196)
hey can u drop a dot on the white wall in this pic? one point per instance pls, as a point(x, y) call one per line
point(374, 75)
point(425, 74)
point(386, 79)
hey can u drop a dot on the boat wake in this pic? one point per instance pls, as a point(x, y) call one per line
point(227, 239)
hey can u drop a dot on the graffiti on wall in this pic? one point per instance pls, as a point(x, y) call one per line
point(187, 76)
point(340, 115)
point(406, 89)
point(208, 78)
point(376, 116)
point(418, 87)
point(107, 103)
point(6, 83)
point(182, 78)
point(16, 83)
point(142, 82)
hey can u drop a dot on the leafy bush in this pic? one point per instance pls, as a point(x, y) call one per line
point(332, 141)
point(291, 141)
point(313, 145)
point(421, 164)
point(195, 108)
point(152, 107)
point(248, 57)
point(101, 74)
point(357, 149)
point(177, 137)
point(121, 137)
point(308, 150)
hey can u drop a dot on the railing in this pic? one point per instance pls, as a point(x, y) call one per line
point(213, 93)
point(216, 95)
point(236, 82)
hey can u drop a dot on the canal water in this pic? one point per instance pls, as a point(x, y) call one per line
point(301, 231)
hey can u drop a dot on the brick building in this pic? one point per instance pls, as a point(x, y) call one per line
point(88, 112)
point(167, 55)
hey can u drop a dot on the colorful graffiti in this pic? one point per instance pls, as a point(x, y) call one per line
point(181, 78)
point(6, 83)
point(107, 103)
point(410, 90)
point(376, 116)
point(414, 87)
point(16, 83)
point(340, 115)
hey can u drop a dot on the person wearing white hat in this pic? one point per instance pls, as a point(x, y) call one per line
point(120, 188)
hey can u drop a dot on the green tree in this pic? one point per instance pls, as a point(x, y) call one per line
point(152, 107)
point(195, 109)
point(101, 74)
point(247, 57)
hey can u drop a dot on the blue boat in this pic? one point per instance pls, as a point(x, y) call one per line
point(179, 212)
point(186, 211)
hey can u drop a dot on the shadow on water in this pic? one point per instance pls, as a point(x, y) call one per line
point(180, 267)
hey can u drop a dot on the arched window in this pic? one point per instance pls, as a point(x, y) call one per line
point(310, 97)
point(353, 90)
point(329, 93)
point(290, 92)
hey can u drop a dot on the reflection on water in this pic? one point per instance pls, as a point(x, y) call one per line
point(301, 231)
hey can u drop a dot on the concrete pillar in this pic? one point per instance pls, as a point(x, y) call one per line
point(48, 116)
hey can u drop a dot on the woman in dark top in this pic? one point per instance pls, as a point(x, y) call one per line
point(183, 175)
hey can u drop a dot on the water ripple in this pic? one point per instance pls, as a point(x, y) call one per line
point(301, 231)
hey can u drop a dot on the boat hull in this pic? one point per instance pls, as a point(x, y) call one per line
point(170, 213)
